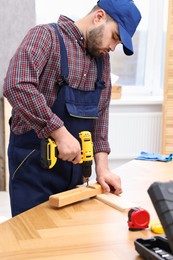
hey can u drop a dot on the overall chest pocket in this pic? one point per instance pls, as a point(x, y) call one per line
point(82, 104)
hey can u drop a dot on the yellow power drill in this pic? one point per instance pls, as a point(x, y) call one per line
point(49, 153)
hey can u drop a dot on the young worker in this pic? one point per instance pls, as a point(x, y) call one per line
point(58, 84)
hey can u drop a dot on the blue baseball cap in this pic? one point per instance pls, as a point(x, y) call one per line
point(127, 15)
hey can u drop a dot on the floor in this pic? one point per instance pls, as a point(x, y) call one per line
point(5, 212)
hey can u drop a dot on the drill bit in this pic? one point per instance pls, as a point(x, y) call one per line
point(87, 181)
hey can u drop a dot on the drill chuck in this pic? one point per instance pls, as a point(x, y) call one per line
point(86, 169)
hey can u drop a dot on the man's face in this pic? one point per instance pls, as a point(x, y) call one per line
point(102, 39)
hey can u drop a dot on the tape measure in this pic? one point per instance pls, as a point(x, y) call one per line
point(138, 219)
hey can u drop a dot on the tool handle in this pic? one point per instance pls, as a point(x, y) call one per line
point(43, 157)
point(49, 153)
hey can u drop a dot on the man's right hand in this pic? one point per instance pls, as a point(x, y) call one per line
point(69, 148)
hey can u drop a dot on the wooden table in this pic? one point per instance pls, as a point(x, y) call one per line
point(85, 230)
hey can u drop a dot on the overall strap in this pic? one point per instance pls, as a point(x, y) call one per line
point(63, 53)
point(64, 62)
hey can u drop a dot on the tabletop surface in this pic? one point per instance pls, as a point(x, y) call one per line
point(88, 229)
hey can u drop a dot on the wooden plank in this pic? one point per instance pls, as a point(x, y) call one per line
point(80, 193)
point(116, 202)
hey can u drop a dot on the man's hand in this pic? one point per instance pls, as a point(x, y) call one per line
point(69, 148)
point(109, 181)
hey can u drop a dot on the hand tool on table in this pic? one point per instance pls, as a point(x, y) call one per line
point(49, 153)
point(138, 219)
point(157, 228)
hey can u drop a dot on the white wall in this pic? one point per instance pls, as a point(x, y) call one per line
point(16, 18)
point(135, 125)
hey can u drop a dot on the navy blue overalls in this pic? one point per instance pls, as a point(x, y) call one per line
point(30, 184)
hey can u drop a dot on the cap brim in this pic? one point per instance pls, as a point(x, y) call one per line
point(126, 41)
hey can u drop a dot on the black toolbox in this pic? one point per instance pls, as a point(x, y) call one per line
point(159, 247)
point(154, 248)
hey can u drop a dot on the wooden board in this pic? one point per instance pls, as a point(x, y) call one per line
point(116, 92)
point(116, 202)
point(74, 195)
point(83, 192)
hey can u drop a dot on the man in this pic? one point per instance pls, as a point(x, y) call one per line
point(58, 84)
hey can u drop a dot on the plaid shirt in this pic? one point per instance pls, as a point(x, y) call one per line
point(31, 81)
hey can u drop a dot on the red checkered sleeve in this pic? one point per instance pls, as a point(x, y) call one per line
point(101, 127)
point(22, 87)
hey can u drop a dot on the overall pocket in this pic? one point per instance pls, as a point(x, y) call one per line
point(82, 104)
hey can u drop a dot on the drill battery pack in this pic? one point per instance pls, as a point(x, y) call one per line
point(49, 153)
point(159, 247)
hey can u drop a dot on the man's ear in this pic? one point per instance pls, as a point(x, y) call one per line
point(100, 16)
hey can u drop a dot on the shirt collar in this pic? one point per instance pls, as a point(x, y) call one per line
point(68, 26)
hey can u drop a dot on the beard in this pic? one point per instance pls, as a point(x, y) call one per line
point(94, 41)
